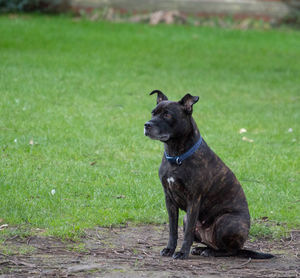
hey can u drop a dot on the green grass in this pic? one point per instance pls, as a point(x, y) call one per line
point(78, 91)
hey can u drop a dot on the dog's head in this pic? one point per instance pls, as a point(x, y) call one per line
point(170, 119)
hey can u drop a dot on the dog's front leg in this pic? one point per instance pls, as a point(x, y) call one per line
point(173, 228)
point(192, 215)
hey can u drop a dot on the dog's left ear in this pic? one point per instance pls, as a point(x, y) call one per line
point(188, 101)
point(160, 96)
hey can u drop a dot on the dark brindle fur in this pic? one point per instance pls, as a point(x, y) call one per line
point(216, 207)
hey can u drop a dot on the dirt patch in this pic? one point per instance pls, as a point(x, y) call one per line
point(134, 252)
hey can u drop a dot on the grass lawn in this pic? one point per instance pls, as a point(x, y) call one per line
point(74, 98)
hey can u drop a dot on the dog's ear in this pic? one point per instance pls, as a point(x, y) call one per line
point(160, 96)
point(188, 101)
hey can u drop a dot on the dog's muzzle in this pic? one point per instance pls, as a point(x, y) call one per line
point(147, 128)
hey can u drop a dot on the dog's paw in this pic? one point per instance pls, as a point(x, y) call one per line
point(197, 251)
point(180, 255)
point(167, 252)
point(208, 252)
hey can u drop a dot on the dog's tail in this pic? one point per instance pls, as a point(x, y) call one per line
point(244, 253)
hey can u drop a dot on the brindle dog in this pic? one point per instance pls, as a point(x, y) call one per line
point(199, 183)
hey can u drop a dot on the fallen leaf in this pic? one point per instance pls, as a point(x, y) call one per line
point(247, 139)
point(40, 230)
point(2, 227)
point(243, 130)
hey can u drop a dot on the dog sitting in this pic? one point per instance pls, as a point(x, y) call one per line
point(197, 181)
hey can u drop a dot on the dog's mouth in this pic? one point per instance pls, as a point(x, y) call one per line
point(163, 138)
point(151, 133)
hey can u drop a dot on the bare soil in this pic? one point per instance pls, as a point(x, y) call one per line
point(133, 251)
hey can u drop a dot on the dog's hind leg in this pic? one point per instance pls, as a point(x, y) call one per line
point(225, 237)
point(231, 232)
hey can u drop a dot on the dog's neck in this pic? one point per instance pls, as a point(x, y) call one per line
point(180, 145)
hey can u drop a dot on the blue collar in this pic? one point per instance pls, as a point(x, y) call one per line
point(178, 159)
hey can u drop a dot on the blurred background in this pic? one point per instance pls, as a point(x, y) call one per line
point(274, 12)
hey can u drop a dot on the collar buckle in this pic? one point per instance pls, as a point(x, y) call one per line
point(178, 161)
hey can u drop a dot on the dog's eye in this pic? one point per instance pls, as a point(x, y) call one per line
point(167, 115)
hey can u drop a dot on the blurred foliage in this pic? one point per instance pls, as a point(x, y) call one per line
point(293, 19)
point(32, 5)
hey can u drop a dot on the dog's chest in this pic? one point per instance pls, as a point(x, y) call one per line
point(175, 190)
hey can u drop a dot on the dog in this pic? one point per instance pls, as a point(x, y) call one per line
point(197, 181)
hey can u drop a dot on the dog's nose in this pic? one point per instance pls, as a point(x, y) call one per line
point(148, 125)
